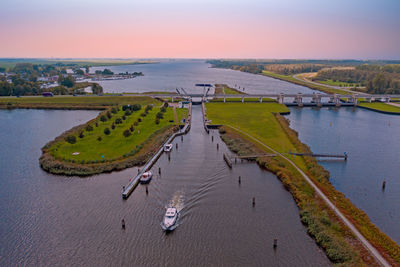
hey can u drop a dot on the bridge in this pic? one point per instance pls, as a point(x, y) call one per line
point(315, 99)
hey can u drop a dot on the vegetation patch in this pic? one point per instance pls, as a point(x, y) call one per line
point(381, 107)
point(273, 129)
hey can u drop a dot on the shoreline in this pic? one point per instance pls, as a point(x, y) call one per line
point(311, 209)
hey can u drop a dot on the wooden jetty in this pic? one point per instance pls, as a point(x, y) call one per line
point(344, 156)
point(228, 160)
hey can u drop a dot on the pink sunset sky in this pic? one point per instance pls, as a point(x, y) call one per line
point(359, 29)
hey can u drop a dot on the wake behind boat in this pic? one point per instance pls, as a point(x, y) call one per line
point(146, 177)
point(170, 219)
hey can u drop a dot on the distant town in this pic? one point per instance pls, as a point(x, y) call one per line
point(55, 79)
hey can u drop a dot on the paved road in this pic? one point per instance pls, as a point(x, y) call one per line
point(351, 226)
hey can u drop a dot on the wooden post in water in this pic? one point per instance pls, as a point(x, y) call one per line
point(217, 146)
point(123, 188)
point(147, 191)
point(182, 138)
point(212, 138)
point(138, 170)
point(383, 185)
point(176, 146)
point(239, 180)
point(169, 157)
point(159, 170)
point(123, 223)
point(254, 201)
point(275, 243)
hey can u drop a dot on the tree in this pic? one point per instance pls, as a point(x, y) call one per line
point(71, 139)
point(97, 89)
point(87, 69)
point(118, 121)
point(159, 115)
point(136, 107)
point(89, 128)
point(79, 72)
point(107, 72)
point(68, 81)
point(107, 131)
point(81, 135)
point(127, 133)
point(103, 118)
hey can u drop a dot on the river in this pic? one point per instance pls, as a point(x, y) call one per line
point(48, 220)
point(372, 142)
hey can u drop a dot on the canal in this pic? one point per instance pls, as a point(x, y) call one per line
point(57, 221)
point(372, 142)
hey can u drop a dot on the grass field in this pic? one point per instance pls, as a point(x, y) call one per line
point(380, 107)
point(289, 78)
point(74, 101)
point(260, 122)
point(114, 145)
point(336, 83)
point(256, 119)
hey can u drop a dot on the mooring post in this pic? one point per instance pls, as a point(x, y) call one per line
point(254, 201)
point(169, 157)
point(275, 243)
point(138, 170)
point(212, 138)
point(123, 188)
point(383, 185)
point(217, 146)
point(159, 170)
point(123, 223)
point(147, 191)
point(182, 138)
point(176, 146)
point(239, 180)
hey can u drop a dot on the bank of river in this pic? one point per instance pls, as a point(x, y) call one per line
point(372, 143)
point(56, 220)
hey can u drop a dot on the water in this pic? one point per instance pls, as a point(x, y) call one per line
point(48, 220)
point(169, 75)
point(372, 141)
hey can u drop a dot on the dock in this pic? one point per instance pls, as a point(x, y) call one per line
point(134, 182)
point(228, 160)
point(344, 156)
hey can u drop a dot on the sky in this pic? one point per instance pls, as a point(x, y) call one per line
point(308, 29)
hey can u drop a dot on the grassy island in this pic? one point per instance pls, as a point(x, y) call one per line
point(381, 107)
point(126, 133)
point(246, 122)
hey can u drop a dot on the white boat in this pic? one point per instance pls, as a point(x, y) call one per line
point(167, 147)
point(169, 222)
point(146, 177)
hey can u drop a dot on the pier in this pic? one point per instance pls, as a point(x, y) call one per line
point(344, 156)
point(134, 182)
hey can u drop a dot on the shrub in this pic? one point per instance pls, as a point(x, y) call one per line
point(143, 114)
point(118, 121)
point(97, 124)
point(127, 133)
point(159, 115)
point(99, 138)
point(124, 107)
point(131, 128)
point(128, 112)
point(71, 139)
point(109, 114)
point(139, 119)
point(114, 110)
point(103, 118)
point(157, 121)
point(165, 105)
point(89, 128)
point(81, 135)
point(136, 123)
point(107, 131)
point(163, 109)
point(124, 117)
point(148, 108)
point(136, 107)
point(113, 126)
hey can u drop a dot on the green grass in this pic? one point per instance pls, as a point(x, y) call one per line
point(115, 145)
point(248, 99)
point(256, 119)
point(78, 100)
point(381, 107)
point(289, 78)
point(182, 113)
point(337, 83)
